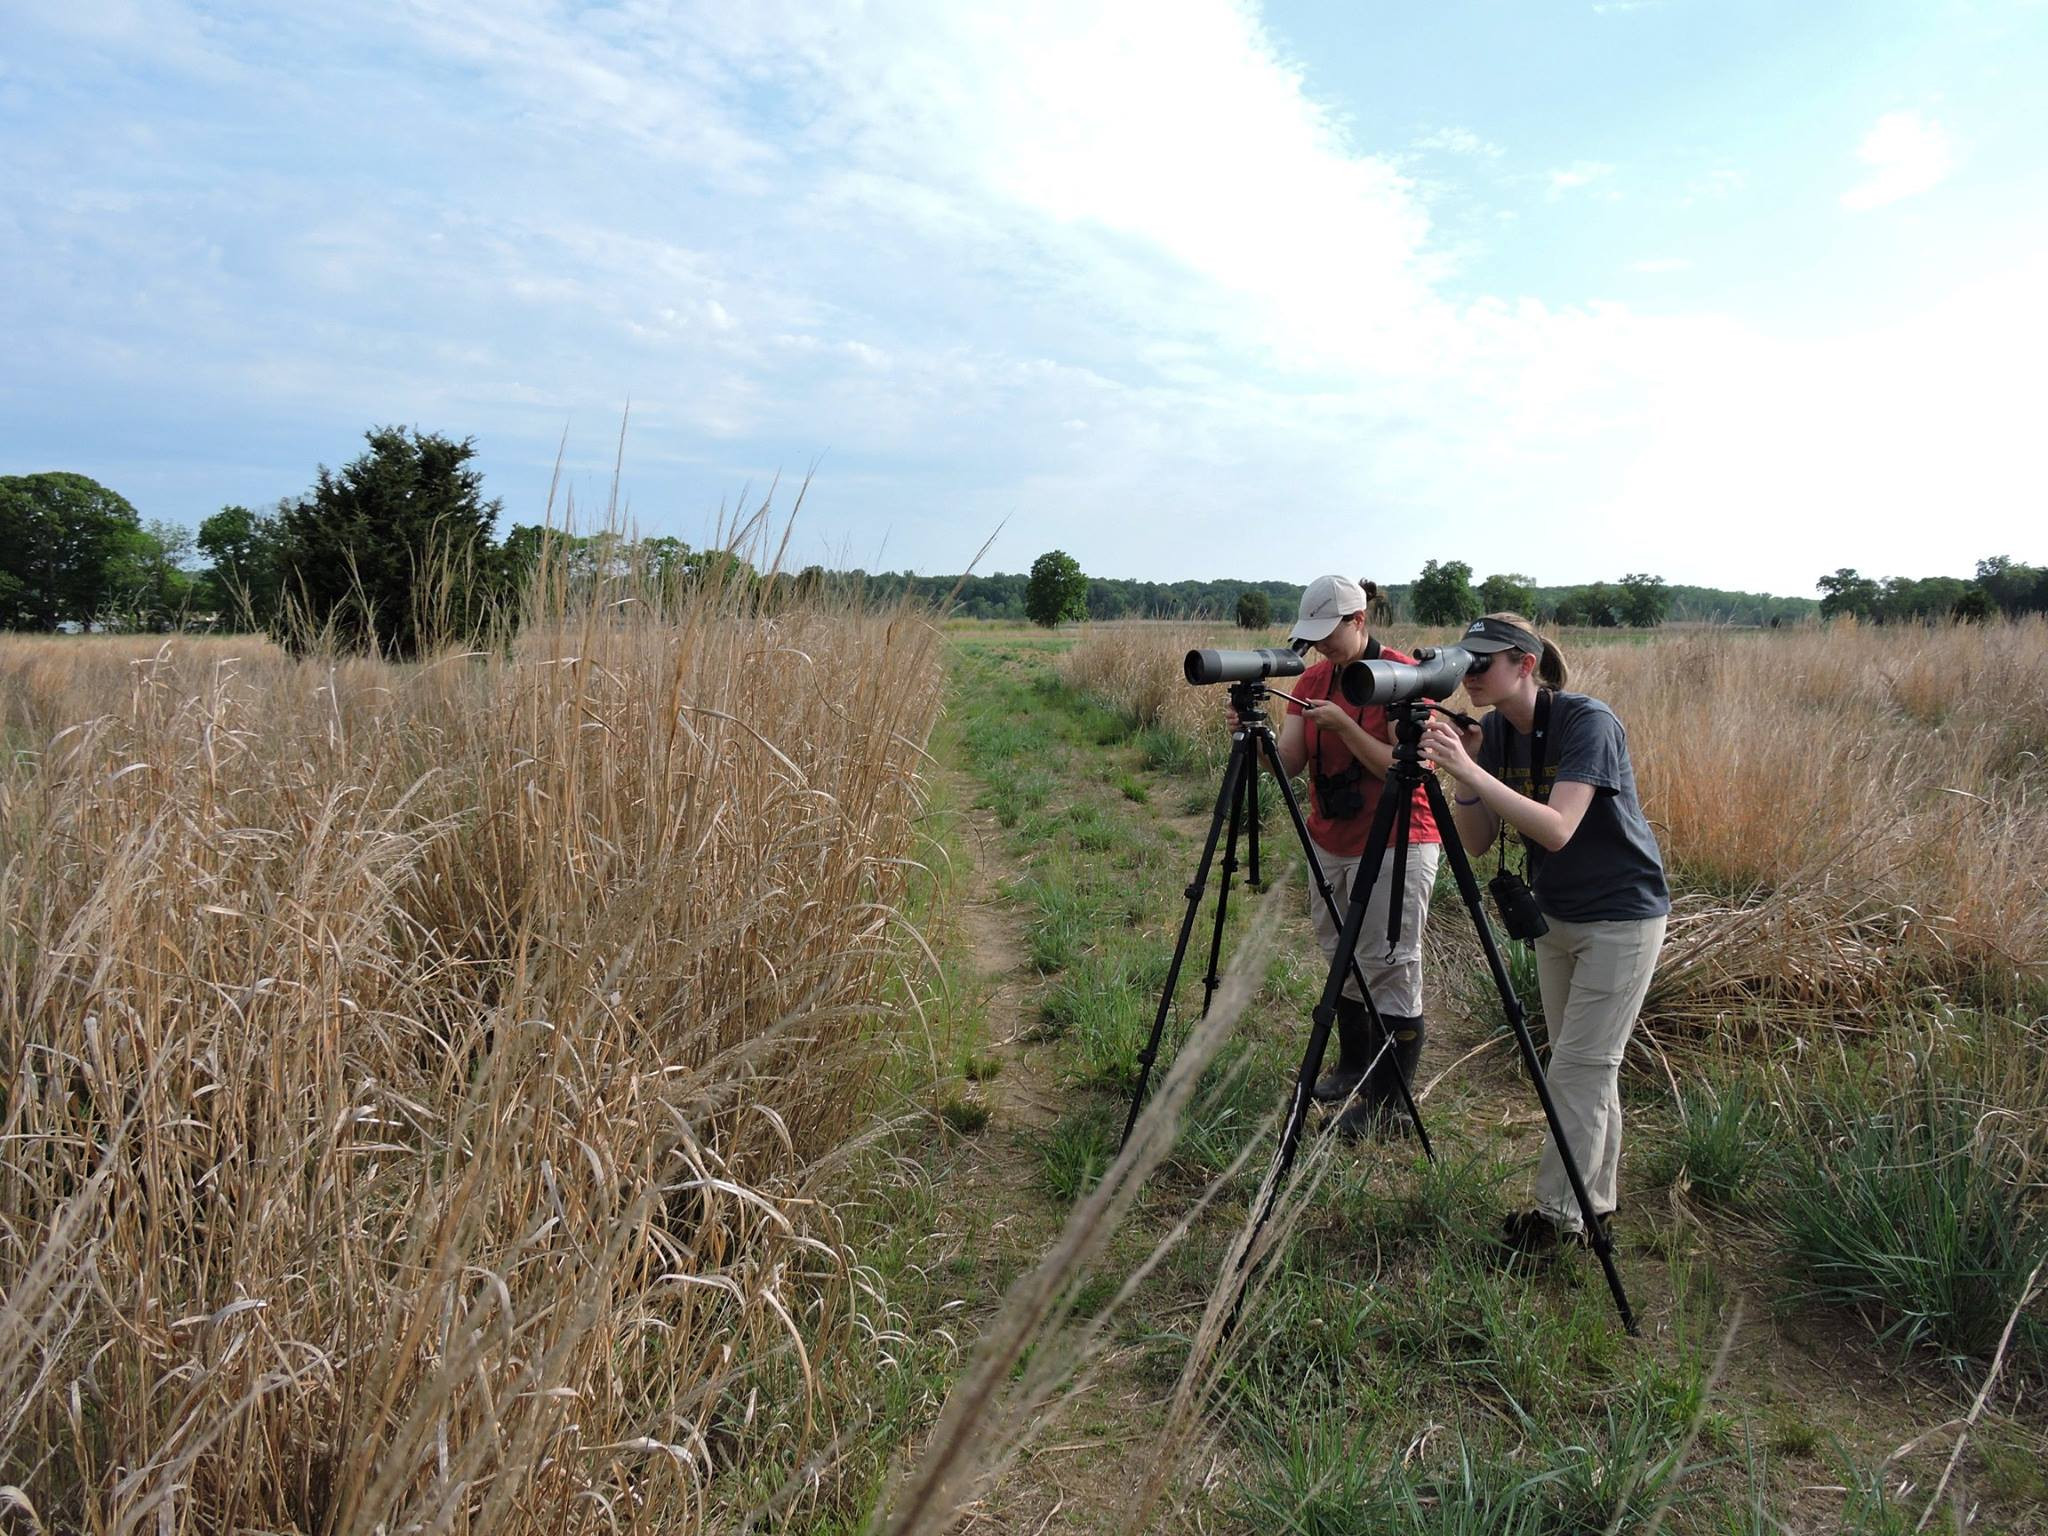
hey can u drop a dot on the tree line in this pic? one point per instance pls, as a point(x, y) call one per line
point(1445, 593)
point(398, 547)
point(2001, 585)
point(391, 552)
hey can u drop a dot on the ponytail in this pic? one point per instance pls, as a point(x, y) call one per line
point(1550, 668)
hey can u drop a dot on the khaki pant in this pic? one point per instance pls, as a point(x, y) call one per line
point(1395, 977)
point(1594, 977)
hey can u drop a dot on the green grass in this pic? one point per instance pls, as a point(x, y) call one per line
point(1722, 1147)
point(1073, 1155)
point(1386, 1377)
point(1902, 1200)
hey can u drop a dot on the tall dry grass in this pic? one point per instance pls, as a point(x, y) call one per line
point(1855, 814)
point(421, 1082)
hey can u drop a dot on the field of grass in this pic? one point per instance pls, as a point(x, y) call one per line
point(649, 1078)
point(423, 1084)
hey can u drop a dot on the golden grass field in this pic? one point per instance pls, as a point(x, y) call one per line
point(432, 1091)
point(420, 1080)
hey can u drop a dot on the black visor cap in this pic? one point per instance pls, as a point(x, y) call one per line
point(1485, 636)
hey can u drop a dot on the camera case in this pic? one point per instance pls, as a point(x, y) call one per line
point(1519, 914)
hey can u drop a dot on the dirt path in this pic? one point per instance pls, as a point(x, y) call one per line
point(1066, 1481)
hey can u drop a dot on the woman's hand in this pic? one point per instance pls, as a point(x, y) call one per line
point(1325, 714)
point(1445, 746)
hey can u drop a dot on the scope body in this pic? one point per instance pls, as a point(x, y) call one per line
point(1434, 674)
point(1242, 666)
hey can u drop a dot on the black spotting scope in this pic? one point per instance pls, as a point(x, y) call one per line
point(1242, 666)
point(1435, 673)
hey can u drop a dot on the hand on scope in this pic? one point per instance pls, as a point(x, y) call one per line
point(1445, 746)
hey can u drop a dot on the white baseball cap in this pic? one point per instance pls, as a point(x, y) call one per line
point(1324, 605)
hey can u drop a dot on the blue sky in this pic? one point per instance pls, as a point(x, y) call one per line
point(1733, 292)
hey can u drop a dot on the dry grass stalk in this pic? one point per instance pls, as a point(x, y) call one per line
point(416, 1076)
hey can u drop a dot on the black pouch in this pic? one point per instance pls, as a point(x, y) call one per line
point(1340, 795)
point(1519, 914)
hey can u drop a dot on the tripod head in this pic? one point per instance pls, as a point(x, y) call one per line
point(1248, 698)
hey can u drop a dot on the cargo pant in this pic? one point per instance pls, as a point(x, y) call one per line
point(1594, 977)
point(1395, 976)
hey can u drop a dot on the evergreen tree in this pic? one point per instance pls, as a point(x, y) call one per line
point(394, 553)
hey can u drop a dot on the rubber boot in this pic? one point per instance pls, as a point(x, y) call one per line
point(1403, 1062)
point(1379, 1109)
point(1335, 1085)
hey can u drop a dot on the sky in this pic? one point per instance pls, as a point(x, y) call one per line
point(1730, 291)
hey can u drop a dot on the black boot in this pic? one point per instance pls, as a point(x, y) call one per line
point(1379, 1108)
point(1335, 1085)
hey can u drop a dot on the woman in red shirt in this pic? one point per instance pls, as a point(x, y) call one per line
point(1347, 751)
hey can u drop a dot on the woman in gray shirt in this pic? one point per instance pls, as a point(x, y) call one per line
point(1554, 767)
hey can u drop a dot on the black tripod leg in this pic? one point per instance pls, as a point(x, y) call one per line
point(1211, 980)
point(1329, 901)
point(1511, 1005)
point(1326, 1007)
point(1243, 756)
point(1251, 826)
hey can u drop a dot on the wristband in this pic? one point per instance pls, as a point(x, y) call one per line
point(1461, 800)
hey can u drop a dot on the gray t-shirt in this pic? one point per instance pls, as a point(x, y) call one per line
point(1610, 870)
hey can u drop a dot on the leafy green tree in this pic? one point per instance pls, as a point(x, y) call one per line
point(1254, 609)
point(2016, 588)
point(1443, 594)
point(1594, 606)
point(393, 553)
point(1508, 592)
point(1843, 591)
point(1057, 591)
point(243, 580)
point(66, 541)
point(152, 589)
point(1644, 600)
point(1974, 605)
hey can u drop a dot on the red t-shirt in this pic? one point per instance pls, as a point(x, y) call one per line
point(1327, 754)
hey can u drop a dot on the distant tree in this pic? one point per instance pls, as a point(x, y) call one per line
point(1443, 594)
point(2014, 587)
point(1254, 609)
point(66, 542)
point(1845, 592)
point(394, 552)
point(1644, 600)
point(1594, 607)
point(152, 589)
point(1974, 605)
point(1057, 590)
point(1508, 592)
point(242, 582)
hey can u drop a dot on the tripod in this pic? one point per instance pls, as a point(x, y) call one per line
point(1238, 800)
point(1390, 827)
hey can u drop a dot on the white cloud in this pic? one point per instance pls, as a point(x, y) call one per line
point(1907, 154)
point(1117, 272)
point(1577, 176)
point(1459, 141)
